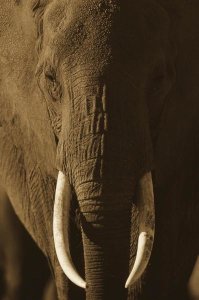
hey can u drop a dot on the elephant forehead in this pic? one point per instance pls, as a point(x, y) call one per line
point(99, 27)
point(79, 25)
point(61, 14)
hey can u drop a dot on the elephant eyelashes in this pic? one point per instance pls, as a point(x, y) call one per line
point(53, 86)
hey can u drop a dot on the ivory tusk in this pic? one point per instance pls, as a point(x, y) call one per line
point(146, 229)
point(60, 229)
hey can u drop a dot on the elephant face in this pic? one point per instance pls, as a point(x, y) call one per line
point(102, 65)
point(104, 69)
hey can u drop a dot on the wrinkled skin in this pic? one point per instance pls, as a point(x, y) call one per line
point(103, 91)
point(50, 292)
point(19, 260)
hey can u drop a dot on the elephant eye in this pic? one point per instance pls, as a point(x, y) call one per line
point(50, 75)
point(52, 84)
point(157, 79)
point(158, 82)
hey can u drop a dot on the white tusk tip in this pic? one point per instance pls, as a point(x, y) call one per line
point(82, 284)
point(60, 230)
point(128, 283)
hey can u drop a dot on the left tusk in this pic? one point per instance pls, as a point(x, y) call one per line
point(61, 229)
point(146, 228)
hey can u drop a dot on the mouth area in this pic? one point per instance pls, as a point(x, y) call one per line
point(105, 232)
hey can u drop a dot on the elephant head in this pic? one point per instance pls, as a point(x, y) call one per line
point(99, 63)
point(104, 70)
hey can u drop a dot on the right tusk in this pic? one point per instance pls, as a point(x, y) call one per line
point(146, 228)
point(60, 229)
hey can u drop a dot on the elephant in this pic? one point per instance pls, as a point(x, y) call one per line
point(19, 275)
point(99, 141)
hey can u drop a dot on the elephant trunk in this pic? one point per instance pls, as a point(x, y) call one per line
point(106, 239)
point(105, 204)
point(100, 162)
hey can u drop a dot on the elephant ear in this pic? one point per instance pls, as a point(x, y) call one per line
point(177, 136)
point(176, 157)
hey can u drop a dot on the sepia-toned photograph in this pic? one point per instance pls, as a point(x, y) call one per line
point(99, 150)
